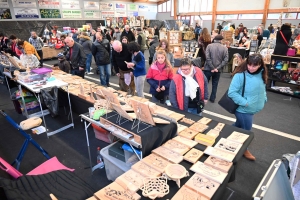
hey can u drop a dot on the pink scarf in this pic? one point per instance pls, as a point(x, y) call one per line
point(160, 66)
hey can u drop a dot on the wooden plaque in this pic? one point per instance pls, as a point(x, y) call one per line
point(158, 120)
point(176, 146)
point(156, 162)
point(131, 180)
point(218, 163)
point(176, 116)
point(110, 96)
point(219, 127)
point(199, 127)
point(206, 140)
point(228, 146)
point(185, 141)
point(209, 172)
point(185, 193)
point(187, 121)
point(145, 169)
point(204, 186)
point(204, 120)
point(181, 128)
point(214, 133)
point(193, 155)
point(238, 137)
point(168, 154)
point(188, 133)
point(121, 111)
point(218, 153)
point(142, 112)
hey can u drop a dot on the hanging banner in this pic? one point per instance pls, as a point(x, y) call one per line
point(50, 13)
point(70, 4)
point(91, 14)
point(71, 14)
point(120, 6)
point(24, 3)
point(4, 4)
point(91, 5)
point(24, 13)
point(120, 14)
point(5, 13)
point(49, 4)
point(106, 6)
point(133, 7)
point(106, 14)
point(132, 13)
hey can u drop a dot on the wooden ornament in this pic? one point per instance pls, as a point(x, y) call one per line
point(218, 153)
point(185, 141)
point(145, 169)
point(218, 163)
point(193, 155)
point(188, 133)
point(168, 154)
point(214, 133)
point(238, 137)
point(142, 112)
point(228, 146)
point(184, 193)
point(219, 127)
point(181, 128)
point(204, 120)
point(206, 140)
point(176, 146)
point(187, 121)
point(176, 172)
point(202, 185)
point(155, 187)
point(131, 180)
point(199, 127)
point(209, 172)
point(156, 162)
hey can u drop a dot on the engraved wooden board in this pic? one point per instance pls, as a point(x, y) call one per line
point(228, 146)
point(188, 133)
point(214, 133)
point(218, 163)
point(206, 140)
point(199, 127)
point(193, 155)
point(116, 192)
point(204, 120)
point(219, 127)
point(187, 121)
point(238, 137)
point(121, 111)
point(168, 154)
point(142, 112)
point(184, 193)
point(181, 128)
point(209, 172)
point(202, 185)
point(110, 96)
point(131, 180)
point(218, 153)
point(176, 116)
point(160, 121)
point(145, 170)
point(156, 162)
point(187, 142)
point(176, 146)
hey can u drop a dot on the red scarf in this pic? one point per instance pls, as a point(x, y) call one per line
point(160, 66)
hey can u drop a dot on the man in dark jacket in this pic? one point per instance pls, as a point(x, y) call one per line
point(3, 42)
point(141, 39)
point(120, 54)
point(86, 43)
point(101, 53)
point(128, 33)
point(76, 57)
point(152, 48)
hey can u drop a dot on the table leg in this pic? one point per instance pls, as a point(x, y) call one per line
point(44, 121)
point(7, 85)
point(70, 106)
point(23, 101)
point(139, 157)
point(88, 143)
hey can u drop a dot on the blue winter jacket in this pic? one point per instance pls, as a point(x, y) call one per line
point(255, 95)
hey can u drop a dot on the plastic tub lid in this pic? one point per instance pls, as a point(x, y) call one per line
point(127, 147)
point(42, 70)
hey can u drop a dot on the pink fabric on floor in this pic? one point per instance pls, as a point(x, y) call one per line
point(50, 165)
point(9, 169)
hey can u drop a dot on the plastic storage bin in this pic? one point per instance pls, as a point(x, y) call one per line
point(113, 167)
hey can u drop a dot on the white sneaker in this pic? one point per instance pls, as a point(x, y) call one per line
point(90, 73)
point(91, 68)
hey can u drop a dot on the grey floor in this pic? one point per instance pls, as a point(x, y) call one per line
point(279, 114)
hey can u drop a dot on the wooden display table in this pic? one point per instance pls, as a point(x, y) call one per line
point(49, 53)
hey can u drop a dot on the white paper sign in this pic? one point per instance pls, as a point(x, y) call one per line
point(120, 14)
point(120, 6)
point(24, 3)
point(91, 5)
point(4, 4)
point(105, 14)
point(71, 13)
point(106, 6)
point(70, 4)
point(91, 14)
point(21, 13)
point(49, 4)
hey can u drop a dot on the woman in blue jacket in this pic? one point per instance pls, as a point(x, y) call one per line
point(255, 95)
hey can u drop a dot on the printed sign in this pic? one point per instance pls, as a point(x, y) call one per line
point(24, 3)
point(120, 6)
point(144, 8)
point(70, 4)
point(26, 13)
point(133, 7)
point(49, 4)
point(91, 5)
point(106, 6)
point(71, 14)
point(91, 14)
point(105, 14)
point(5, 13)
point(4, 4)
point(120, 14)
point(132, 13)
point(50, 13)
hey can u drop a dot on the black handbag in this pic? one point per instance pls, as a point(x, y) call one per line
point(160, 95)
point(227, 103)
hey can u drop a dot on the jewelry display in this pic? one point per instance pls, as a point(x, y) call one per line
point(168, 154)
point(175, 172)
point(199, 127)
point(131, 180)
point(155, 187)
point(219, 127)
point(228, 146)
point(218, 153)
point(214, 133)
point(156, 162)
point(184, 193)
point(193, 155)
point(176, 146)
point(181, 128)
point(145, 169)
point(238, 137)
point(204, 186)
point(206, 140)
point(204, 120)
point(218, 163)
point(185, 141)
point(187, 121)
point(188, 133)
point(209, 172)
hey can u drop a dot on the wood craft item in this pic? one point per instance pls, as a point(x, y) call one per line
point(185, 141)
point(176, 116)
point(158, 120)
point(131, 180)
point(176, 146)
point(209, 172)
point(155, 187)
point(121, 111)
point(193, 155)
point(218, 163)
point(184, 193)
point(145, 170)
point(214, 133)
point(92, 99)
point(204, 120)
point(175, 172)
point(199, 127)
point(206, 140)
point(30, 123)
point(238, 137)
point(188, 133)
point(202, 185)
point(218, 153)
point(100, 103)
point(228, 146)
point(156, 162)
point(110, 96)
point(168, 154)
point(114, 191)
point(155, 109)
point(187, 121)
point(142, 112)
point(181, 127)
point(82, 92)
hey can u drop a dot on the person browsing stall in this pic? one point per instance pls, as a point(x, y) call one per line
point(165, 45)
point(62, 64)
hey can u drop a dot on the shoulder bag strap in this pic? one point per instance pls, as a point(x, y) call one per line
point(283, 38)
point(244, 84)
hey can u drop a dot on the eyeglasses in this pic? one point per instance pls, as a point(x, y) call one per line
point(186, 70)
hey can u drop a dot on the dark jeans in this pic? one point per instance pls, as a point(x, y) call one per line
point(78, 72)
point(215, 80)
point(243, 120)
point(40, 53)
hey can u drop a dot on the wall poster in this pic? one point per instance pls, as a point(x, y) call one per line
point(132, 13)
point(120, 14)
point(25, 13)
point(24, 3)
point(133, 7)
point(106, 14)
point(71, 14)
point(95, 14)
point(106, 6)
point(70, 4)
point(120, 6)
point(49, 4)
point(144, 8)
point(4, 4)
point(5, 13)
point(91, 5)
point(50, 13)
